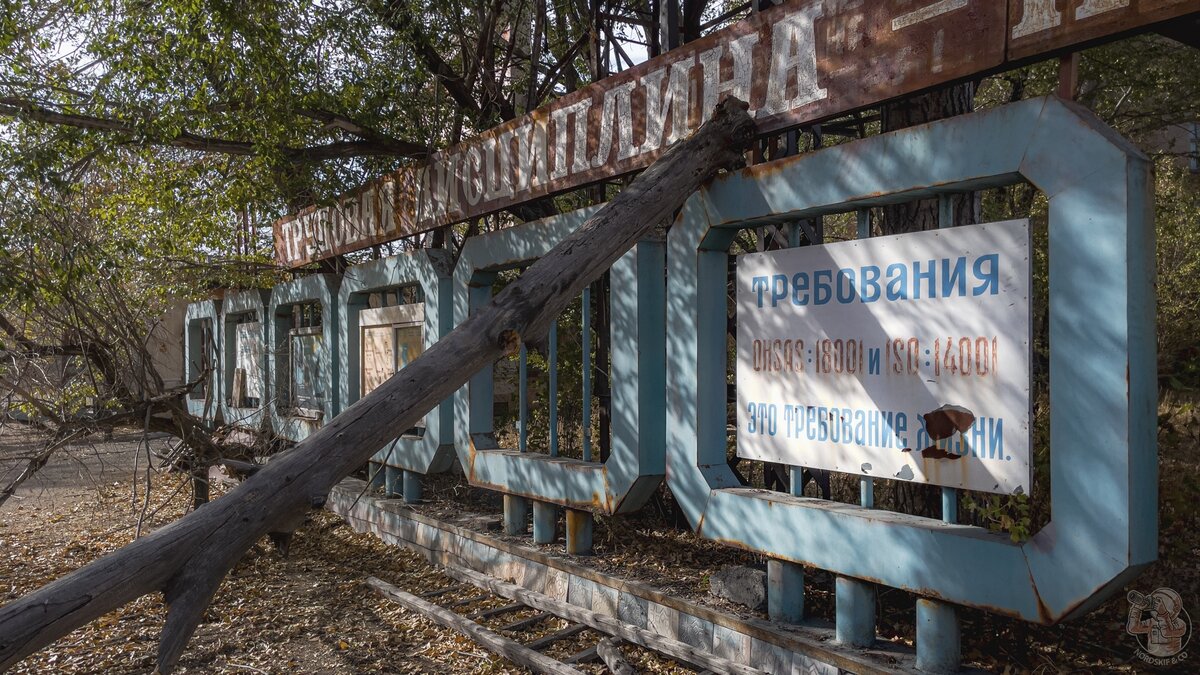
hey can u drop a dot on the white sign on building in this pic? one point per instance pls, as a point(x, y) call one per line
point(842, 348)
point(250, 360)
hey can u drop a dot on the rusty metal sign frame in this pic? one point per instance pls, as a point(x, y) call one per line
point(1102, 354)
point(796, 64)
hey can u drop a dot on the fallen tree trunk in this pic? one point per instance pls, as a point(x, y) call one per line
point(187, 559)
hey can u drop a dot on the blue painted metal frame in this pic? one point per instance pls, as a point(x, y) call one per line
point(431, 269)
point(1102, 354)
point(636, 464)
point(321, 288)
point(252, 301)
point(209, 407)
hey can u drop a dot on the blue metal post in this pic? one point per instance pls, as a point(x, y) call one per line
point(864, 223)
point(866, 484)
point(785, 580)
point(949, 505)
point(866, 491)
point(939, 620)
point(855, 599)
point(516, 514)
point(796, 480)
point(938, 647)
point(523, 398)
point(553, 396)
point(412, 487)
point(545, 522)
point(789, 577)
point(945, 211)
point(785, 591)
point(579, 532)
point(376, 474)
point(392, 482)
point(587, 377)
point(855, 612)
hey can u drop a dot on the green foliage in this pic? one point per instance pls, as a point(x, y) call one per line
point(1177, 220)
point(570, 390)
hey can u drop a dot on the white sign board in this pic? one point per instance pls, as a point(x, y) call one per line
point(842, 348)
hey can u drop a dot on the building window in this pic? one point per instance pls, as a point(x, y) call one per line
point(307, 388)
point(202, 357)
point(247, 389)
point(391, 337)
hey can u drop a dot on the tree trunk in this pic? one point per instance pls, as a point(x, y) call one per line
point(922, 214)
point(935, 105)
point(187, 559)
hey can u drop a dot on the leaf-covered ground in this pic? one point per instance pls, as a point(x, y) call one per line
point(311, 613)
point(307, 613)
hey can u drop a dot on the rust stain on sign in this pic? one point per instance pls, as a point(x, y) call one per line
point(942, 424)
point(947, 421)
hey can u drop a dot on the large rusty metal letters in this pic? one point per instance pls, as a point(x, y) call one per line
point(795, 64)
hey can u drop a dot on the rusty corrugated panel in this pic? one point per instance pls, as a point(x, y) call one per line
point(1038, 27)
point(795, 64)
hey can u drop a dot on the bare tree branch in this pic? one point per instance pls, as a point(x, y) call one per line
point(378, 145)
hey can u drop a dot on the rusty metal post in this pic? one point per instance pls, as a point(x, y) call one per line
point(785, 591)
point(579, 532)
point(1068, 76)
point(412, 487)
point(938, 646)
point(855, 612)
point(516, 514)
point(392, 482)
point(545, 522)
